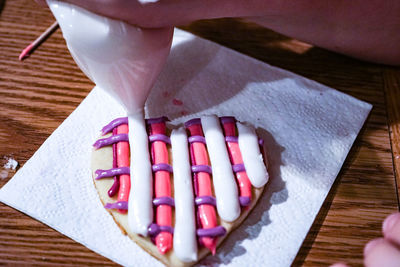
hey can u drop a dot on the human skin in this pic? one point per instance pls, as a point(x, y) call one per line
point(367, 30)
point(385, 251)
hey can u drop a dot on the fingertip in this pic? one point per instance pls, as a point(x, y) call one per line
point(371, 245)
point(381, 252)
point(390, 221)
point(339, 264)
point(391, 228)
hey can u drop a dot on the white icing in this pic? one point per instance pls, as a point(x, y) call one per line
point(120, 58)
point(140, 205)
point(252, 157)
point(226, 191)
point(185, 241)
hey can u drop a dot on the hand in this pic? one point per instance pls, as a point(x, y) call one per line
point(363, 29)
point(164, 13)
point(383, 251)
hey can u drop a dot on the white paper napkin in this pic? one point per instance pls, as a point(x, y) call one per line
point(308, 129)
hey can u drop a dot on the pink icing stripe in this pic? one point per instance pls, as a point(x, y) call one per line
point(111, 172)
point(123, 161)
point(113, 124)
point(162, 187)
point(110, 140)
point(237, 162)
point(206, 214)
point(115, 186)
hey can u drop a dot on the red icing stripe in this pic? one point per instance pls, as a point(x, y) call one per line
point(236, 158)
point(162, 184)
point(203, 187)
point(123, 161)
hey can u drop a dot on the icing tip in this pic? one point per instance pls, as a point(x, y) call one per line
point(210, 244)
point(96, 144)
point(164, 242)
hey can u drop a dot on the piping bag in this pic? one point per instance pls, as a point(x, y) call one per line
point(125, 61)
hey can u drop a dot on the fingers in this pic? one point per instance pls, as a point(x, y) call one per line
point(339, 265)
point(385, 251)
point(150, 15)
point(163, 13)
point(381, 252)
point(391, 228)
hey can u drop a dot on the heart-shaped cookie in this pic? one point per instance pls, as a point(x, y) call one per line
point(205, 178)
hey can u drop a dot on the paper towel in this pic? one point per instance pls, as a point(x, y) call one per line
point(307, 127)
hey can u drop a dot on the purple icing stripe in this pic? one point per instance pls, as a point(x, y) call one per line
point(205, 200)
point(227, 119)
point(114, 123)
point(260, 141)
point(121, 205)
point(112, 172)
point(238, 167)
point(232, 139)
point(197, 138)
point(162, 167)
point(244, 201)
point(110, 140)
point(211, 232)
point(156, 120)
point(201, 168)
point(155, 229)
point(160, 137)
point(164, 201)
point(192, 122)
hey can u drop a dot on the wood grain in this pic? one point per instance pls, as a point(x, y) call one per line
point(38, 94)
point(391, 77)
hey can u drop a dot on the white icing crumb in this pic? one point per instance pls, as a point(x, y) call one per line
point(3, 174)
point(11, 164)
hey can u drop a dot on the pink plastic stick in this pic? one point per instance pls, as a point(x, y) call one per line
point(205, 212)
point(123, 161)
point(162, 184)
point(236, 158)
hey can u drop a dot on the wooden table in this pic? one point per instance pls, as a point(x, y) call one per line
point(38, 94)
